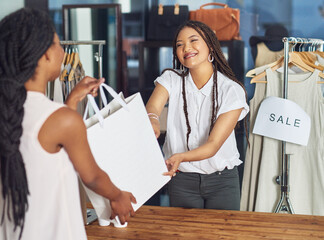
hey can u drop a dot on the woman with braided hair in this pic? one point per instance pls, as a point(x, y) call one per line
point(205, 101)
point(43, 144)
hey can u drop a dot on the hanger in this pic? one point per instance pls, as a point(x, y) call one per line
point(252, 72)
point(319, 53)
point(67, 65)
point(294, 59)
point(76, 62)
point(65, 55)
point(308, 57)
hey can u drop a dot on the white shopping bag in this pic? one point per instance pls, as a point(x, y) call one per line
point(123, 144)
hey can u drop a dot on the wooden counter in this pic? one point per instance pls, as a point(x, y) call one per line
point(153, 222)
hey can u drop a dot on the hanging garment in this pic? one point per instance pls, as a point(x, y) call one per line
point(265, 55)
point(72, 73)
point(306, 163)
point(58, 94)
point(253, 154)
point(79, 74)
point(321, 62)
point(254, 149)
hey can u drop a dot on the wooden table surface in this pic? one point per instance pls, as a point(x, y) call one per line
point(152, 222)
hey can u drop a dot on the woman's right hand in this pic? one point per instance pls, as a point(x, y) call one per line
point(121, 206)
point(87, 85)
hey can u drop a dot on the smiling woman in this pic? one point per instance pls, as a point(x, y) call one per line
point(200, 142)
point(193, 52)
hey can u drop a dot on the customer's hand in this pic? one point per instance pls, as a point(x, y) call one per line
point(122, 207)
point(87, 85)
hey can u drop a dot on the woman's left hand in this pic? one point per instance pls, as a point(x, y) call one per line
point(173, 163)
point(87, 85)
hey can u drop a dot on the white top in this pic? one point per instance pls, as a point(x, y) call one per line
point(231, 96)
point(54, 210)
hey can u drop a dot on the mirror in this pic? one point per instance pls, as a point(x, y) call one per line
point(97, 22)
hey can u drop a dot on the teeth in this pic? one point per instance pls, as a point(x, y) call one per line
point(190, 55)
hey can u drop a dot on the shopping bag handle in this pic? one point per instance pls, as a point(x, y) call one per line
point(93, 103)
point(94, 106)
point(113, 93)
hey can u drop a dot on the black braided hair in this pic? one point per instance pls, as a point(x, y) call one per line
point(219, 64)
point(25, 35)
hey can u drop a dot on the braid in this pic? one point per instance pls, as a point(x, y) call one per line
point(214, 97)
point(25, 36)
point(185, 109)
point(220, 64)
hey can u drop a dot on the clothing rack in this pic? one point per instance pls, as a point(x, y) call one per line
point(90, 214)
point(284, 203)
point(98, 55)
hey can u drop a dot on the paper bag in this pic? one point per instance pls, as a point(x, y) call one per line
point(123, 144)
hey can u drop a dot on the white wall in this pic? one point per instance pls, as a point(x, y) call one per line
point(9, 6)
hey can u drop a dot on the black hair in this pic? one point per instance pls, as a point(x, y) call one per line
point(219, 64)
point(25, 35)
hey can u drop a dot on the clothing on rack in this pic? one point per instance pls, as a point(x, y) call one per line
point(265, 55)
point(72, 72)
point(268, 48)
point(260, 192)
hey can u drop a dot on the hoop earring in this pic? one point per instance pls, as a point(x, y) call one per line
point(182, 68)
point(210, 58)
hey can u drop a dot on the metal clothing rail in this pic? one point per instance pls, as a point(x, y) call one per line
point(284, 203)
point(98, 55)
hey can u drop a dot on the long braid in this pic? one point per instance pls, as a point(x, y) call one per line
point(214, 97)
point(25, 35)
point(185, 109)
point(220, 64)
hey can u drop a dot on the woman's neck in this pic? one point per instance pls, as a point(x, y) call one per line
point(201, 75)
point(36, 84)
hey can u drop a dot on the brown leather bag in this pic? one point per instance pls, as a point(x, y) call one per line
point(225, 22)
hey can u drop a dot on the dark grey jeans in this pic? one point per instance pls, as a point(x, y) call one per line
point(219, 190)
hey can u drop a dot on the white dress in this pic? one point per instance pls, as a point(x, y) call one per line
point(54, 210)
point(306, 162)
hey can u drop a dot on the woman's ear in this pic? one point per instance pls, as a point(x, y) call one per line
point(48, 54)
point(44, 59)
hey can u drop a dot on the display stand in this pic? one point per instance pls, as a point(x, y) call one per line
point(284, 204)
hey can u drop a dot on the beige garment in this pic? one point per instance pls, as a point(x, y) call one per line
point(254, 149)
point(321, 62)
point(265, 55)
point(253, 154)
point(79, 74)
point(306, 162)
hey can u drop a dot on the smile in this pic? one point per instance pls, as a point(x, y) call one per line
point(189, 55)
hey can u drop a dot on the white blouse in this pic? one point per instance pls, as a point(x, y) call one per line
point(231, 96)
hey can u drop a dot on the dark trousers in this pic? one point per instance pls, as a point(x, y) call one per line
point(219, 190)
